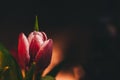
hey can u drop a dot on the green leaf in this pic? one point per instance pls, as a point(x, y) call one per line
point(36, 24)
point(48, 77)
point(9, 67)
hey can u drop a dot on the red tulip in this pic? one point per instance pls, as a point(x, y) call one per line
point(34, 49)
point(36, 39)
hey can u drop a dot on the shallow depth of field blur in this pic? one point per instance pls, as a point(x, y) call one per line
point(86, 35)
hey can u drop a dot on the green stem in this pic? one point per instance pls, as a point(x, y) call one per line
point(30, 73)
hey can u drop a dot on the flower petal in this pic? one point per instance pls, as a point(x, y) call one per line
point(44, 55)
point(35, 46)
point(44, 36)
point(40, 34)
point(23, 50)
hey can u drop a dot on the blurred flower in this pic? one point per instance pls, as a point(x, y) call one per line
point(36, 48)
point(71, 73)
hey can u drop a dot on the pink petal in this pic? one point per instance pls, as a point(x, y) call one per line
point(44, 55)
point(23, 50)
point(44, 36)
point(30, 37)
point(32, 34)
point(35, 46)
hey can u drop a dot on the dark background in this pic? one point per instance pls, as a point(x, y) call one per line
point(86, 20)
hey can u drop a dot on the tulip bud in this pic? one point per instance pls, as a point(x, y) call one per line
point(35, 39)
point(23, 51)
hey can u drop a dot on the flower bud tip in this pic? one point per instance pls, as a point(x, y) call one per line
point(36, 24)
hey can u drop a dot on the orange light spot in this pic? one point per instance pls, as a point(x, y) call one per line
point(23, 73)
point(75, 73)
